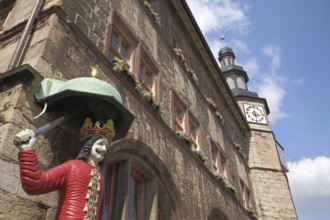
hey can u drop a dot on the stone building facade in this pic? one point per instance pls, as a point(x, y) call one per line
point(191, 153)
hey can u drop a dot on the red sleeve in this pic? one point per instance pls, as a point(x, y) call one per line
point(34, 181)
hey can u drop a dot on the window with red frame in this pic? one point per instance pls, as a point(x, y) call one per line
point(5, 8)
point(224, 166)
point(136, 196)
point(147, 76)
point(179, 111)
point(215, 157)
point(110, 178)
point(245, 194)
point(119, 47)
point(192, 129)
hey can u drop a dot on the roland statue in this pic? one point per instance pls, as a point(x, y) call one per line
point(79, 182)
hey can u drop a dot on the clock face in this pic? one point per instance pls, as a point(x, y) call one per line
point(255, 114)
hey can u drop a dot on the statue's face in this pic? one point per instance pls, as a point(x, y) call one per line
point(99, 149)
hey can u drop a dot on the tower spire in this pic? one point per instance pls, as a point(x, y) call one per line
point(235, 75)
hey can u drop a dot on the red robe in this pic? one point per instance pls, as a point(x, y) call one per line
point(71, 179)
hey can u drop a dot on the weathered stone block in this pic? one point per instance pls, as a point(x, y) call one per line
point(13, 207)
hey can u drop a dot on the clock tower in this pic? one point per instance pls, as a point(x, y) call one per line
point(268, 179)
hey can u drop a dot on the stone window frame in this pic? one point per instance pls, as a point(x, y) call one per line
point(231, 82)
point(175, 42)
point(5, 11)
point(122, 28)
point(137, 175)
point(187, 121)
point(178, 121)
point(193, 130)
point(153, 193)
point(138, 53)
point(120, 52)
point(246, 193)
point(224, 165)
point(110, 176)
point(240, 83)
point(215, 157)
point(220, 163)
point(148, 63)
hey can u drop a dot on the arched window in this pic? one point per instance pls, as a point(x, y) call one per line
point(230, 82)
point(240, 83)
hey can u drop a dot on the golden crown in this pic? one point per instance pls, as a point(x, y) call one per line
point(107, 130)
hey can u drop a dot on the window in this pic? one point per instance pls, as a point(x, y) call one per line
point(230, 82)
point(224, 166)
point(110, 187)
point(119, 47)
point(240, 83)
point(183, 120)
point(136, 196)
point(121, 42)
point(215, 158)
point(5, 8)
point(134, 192)
point(175, 40)
point(245, 194)
point(179, 112)
point(220, 163)
point(192, 130)
point(148, 74)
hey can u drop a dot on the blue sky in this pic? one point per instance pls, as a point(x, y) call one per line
point(284, 47)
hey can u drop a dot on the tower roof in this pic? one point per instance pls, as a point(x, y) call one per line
point(226, 51)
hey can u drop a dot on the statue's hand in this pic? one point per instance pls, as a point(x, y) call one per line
point(25, 139)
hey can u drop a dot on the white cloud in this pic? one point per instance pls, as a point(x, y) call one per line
point(274, 52)
point(270, 89)
point(271, 85)
point(251, 66)
point(309, 181)
point(297, 81)
point(240, 46)
point(227, 14)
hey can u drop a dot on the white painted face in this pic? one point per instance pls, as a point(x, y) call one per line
point(99, 149)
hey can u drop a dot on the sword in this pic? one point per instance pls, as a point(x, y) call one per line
point(18, 140)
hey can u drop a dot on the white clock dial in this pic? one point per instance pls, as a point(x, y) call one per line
point(255, 114)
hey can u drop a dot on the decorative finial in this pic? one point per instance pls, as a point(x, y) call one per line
point(222, 38)
point(220, 31)
point(94, 71)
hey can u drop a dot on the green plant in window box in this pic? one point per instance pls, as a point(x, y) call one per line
point(146, 95)
point(192, 74)
point(218, 115)
point(180, 134)
point(212, 103)
point(146, 3)
point(187, 138)
point(138, 86)
point(219, 176)
point(237, 146)
point(199, 154)
point(249, 210)
point(230, 187)
point(119, 66)
point(179, 53)
point(153, 13)
point(156, 105)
